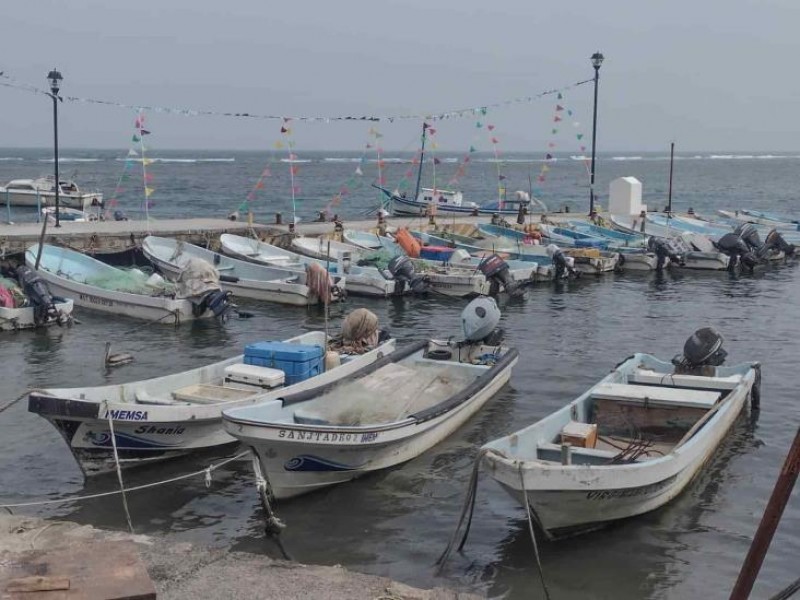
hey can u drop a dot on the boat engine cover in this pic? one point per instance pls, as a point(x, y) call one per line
point(704, 347)
point(479, 318)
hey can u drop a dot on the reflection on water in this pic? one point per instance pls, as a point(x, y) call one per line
point(397, 522)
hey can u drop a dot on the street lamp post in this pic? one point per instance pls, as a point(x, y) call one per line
point(55, 78)
point(597, 60)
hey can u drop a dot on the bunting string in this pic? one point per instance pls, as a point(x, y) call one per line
point(10, 82)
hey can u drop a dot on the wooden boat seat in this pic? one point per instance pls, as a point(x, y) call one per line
point(649, 377)
point(583, 456)
point(203, 393)
point(650, 395)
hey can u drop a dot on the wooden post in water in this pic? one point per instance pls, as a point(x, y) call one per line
point(41, 244)
point(671, 161)
point(769, 523)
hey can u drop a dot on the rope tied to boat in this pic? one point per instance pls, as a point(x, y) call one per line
point(532, 531)
point(20, 397)
point(119, 469)
point(274, 526)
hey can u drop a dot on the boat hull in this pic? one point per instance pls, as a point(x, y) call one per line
point(297, 460)
point(12, 319)
point(26, 198)
point(146, 431)
point(406, 206)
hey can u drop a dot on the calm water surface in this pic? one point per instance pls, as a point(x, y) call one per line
point(397, 522)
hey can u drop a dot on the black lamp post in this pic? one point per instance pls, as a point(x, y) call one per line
point(597, 60)
point(55, 78)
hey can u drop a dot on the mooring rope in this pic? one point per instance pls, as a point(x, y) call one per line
point(119, 469)
point(18, 398)
point(205, 472)
point(274, 525)
point(532, 532)
point(469, 506)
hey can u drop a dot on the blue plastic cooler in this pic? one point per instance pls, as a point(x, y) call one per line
point(297, 361)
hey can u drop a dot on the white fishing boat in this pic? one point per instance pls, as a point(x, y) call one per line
point(406, 403)
point(42, 192)
point(244, 279)
point(174, 415)
point(26, 303)
point(319, 248)
point(97, 286)
point(69, 215)
point(361, 281)
point(628, 445)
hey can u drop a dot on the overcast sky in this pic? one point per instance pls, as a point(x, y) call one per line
point(708, 74)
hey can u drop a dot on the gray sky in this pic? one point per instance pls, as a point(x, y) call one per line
point(708, 74)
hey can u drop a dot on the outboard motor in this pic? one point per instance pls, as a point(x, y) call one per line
point(402, 269)
point(497, 272)
point(702, 352)
point(664, 249)
point(560, 261)
point(775, 240)
point(749, 234)
point(479, 322)
point(37, 292)
point(737, 249)
point(216, 301)
point(120, 216)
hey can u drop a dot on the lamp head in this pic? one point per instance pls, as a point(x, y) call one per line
point(55, 78)
point(597, 60)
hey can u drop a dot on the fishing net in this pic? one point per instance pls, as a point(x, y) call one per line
point(360, 332)
point(131, 281)
point(11, 295)
point(377, 258)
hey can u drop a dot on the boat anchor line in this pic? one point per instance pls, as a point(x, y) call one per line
point(274, 526)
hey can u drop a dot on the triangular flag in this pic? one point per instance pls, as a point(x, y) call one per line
point(434, 145)
point(259, 185)
point(148, 177)
point(551, 145)
point(279, 145)
point(483, 110)
point(431, 130)
point(560, 97)
point(132, 152)
point(569, 112)
point(490, 127)
point(555, 131)
point(144, 132)
point(495, 140)
point(147, 161)
point(368, 146)
point(436, 161)
point(409, 173)
point(478, 124)
point(359, 171)
point(548, 156)
point(472, 149)
point(284, 130)
point(501, 177)
point(579, 136)
point(295, 189)
point(292, 156)
point(294, 170)
point(266, 172)
point(545, 168)
point(148, 191)
point(556, 119)
point(540, 178)
point(136, 138)
point(559, 107)
point(583, 148)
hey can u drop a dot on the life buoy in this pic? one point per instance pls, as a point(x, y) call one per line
point(408, 242)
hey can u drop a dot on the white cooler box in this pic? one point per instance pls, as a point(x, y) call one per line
point(248, 377)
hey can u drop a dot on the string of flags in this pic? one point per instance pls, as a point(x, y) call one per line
point(137, 153)
point(8, 81)
point(355, 181)
point(467, 159)
point(559, 114)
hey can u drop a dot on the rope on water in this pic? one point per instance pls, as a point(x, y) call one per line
point(533, 533)
point(469, 507)
point(17, 399)
point(788, 591)
point(119, 469)
point(205, 472)
point(274, 525)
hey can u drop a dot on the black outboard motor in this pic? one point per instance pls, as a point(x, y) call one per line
point(664, 249)
point(560, 262)
point(749, 234)
point(702, 352)
point(37, 292)
point(216, 301)
point(497, 272)
point(120, 216)
point(737, 249)
point(402, 269)
point(775, 240)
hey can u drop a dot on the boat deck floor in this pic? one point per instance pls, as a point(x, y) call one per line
point(651, 448)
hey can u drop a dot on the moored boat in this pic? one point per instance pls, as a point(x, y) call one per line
point(244, 279)
point(629, 444)
point(170, 416)
point(26, 302)
point(42, 191)
point(97, 286)
point(409, 401)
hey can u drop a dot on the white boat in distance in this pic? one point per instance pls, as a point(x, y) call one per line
point(97, 286)
point(319, 248)
point(638, 437)
point(405, 404)
point(360, 281)
point(244, 279)
point(170, 416)
point(42, 192)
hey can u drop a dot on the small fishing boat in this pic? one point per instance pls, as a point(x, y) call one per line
point(370, 241)
point(324, 249)
point(42, 191)
point(361, 281)
point(71, 215)
point(449, 201)
point(174, 415)
point(244, 279)
point(97, 286)
point(628, 445)
point(26, 302)
point(403, 405)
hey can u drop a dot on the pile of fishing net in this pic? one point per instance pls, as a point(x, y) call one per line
point(131, 281)
point(360, 333)
point(11, 295)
